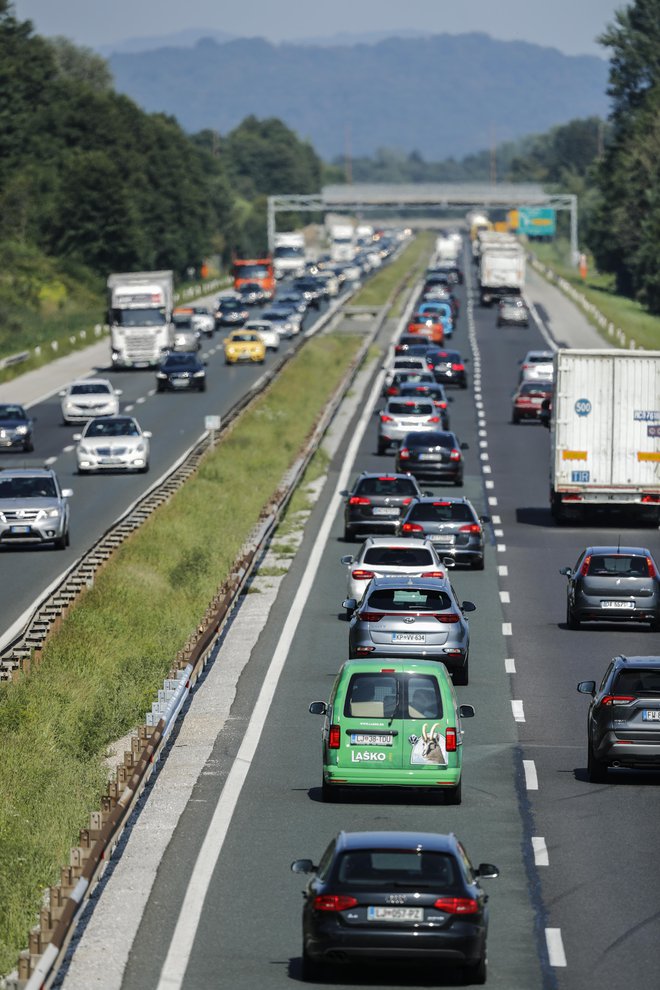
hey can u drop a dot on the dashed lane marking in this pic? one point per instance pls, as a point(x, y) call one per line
point(531, 780)
point(540, 849)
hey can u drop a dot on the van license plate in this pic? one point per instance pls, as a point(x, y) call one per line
point(364, 739)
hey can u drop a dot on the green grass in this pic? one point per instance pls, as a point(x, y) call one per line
point(102, 669)
point(379, 288)
point(637, 324)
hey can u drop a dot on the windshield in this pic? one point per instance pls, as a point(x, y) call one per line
point(411, 408)
point(90, 388)
point(36, 487)
point(409, 600)
point(398, 557)
point(399, 868)
point(112, 428)
point(12, 412)
point(441, 512)
point(289, 252)
point(251, 271)
point(138, 317)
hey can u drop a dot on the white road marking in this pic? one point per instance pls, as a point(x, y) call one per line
point(541, 857)
point(492, 500)
point(483, 433)
point(555, 947)
point(503, 570)
point(483, 443)
point(498, 532)
point(51, 460)
point(489, 484)
point(175, 965)
point(531, 780)
point(505, 597)
point(510, 665)
point(152, 391)
point(484, 455)
point(486, 469)
point(496, 520)
point(501, 547)
point(65, 450)
point(142, 399)
point(507, 629)
point(518, 711)
point(129, 408)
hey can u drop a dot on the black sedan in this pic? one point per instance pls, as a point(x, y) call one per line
point(613, 584)
point(433, 455)
point(181, 370)
point(378, 897)
point(451, 524)
point(623, 726)
point(448, 367)
point(231, 311)
point(15, 428)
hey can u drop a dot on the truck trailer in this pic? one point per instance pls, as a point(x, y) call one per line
point(140, 317)
point(501, 266)
point(605, 423)
point(289, 254)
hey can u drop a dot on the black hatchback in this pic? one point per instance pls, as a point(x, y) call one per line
point(377, 502)
point(623, 725)
point(181, 370)
point(378, 897)
point(448, 367)
point(613, 584)
point(434, 455)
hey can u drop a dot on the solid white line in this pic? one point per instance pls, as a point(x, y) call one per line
point(503, 570)
point(175, 965)
point(518, 711)
point(510, 665)
point(505, 597)
point(555, 947)
point(507, 629)
point(531, 780)
point(541, 857)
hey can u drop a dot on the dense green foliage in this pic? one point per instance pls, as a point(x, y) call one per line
point(625, 235)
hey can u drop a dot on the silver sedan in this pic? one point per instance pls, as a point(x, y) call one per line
point(112, 443)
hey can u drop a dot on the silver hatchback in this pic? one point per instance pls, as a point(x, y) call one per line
point(412, 618)
point(403, 416)
point(390, 556)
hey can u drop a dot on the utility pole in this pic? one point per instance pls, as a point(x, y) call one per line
point(348, 161)
point(493, 157)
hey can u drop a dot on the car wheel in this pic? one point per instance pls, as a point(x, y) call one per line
point(453, 795)
point(145, 468)
point(382, 447)
point(515, 418)
point(328, 793)
point(596, 769)
point(476, 973)
point(463, 384)
point(202, 388)
point(310, 970)
point(459, 482)
point(62, 542)
point(571, 621)
point(28, 447)
point(461, 675)
point(478, 564)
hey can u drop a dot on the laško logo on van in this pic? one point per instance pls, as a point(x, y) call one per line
point(368, 757)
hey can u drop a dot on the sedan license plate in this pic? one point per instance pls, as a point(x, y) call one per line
point(180, 382)
point(366, 739)
point(430, 457)
point(395, 914)
point(380, 510)
point(650, 715)
point(408, 637)
point(441, 538)
point(617, 604)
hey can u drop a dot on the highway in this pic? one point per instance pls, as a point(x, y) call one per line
point(576, 903)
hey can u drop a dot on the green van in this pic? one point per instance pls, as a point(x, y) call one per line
point(393, 723)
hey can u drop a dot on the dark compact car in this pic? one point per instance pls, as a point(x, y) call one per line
point(414, 375)
point(432, 455)
point(613, 584)
point(252, 294)
point(15, 427)
point(448, 367)
point(377, 897)
point(451, 524)
point(181, 370)
point(528, 400)
point(376, 503)
point(408, 343)
point(623, 725)
point(231, 311)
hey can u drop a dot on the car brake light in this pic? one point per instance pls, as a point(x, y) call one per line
point(584, 570)
point(406, 501)
point(409, 404)
point(361, 575)
point(334, 737)
point(447, 617)
point(458, 367)
point(386, 477)
point(651, 567)
point(455, 455)
point(450, 739)
point(434, 419)
point(333, 902)
point(457, 905)
point(412, 528)
point(617, 699)
point(470, 528)
point(392, 390)
point(359, 500)
point(370, 616)
point(404, 454)
point(433, 574)
point(385, 419)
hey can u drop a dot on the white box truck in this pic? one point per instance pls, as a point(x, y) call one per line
point(343, 244)
point(289, 254)
point(605, 426)
point(447, 247)
point(140, 317)
point(502, 265)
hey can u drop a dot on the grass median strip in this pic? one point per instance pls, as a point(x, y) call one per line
point(414, 260)
point(102, 669)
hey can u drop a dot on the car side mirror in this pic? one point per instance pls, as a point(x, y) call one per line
point(466, 711)
point(77, 436)
point(465, 446)
point(487, 871)
point(566, 571)
point(118, 391)
point(303, 866)
point(67, 492)
point(61, 394)
point(468, 607)
point(348, 559)
point(449, 562)
point(350, 604)
point(147, 433)
point(318, 708)
point(587, 687)
point(344, 493)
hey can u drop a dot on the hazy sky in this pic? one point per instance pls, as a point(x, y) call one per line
point(570, 25)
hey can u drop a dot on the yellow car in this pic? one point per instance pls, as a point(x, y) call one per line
point(244, 345)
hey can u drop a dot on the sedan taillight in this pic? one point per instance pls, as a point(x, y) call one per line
point(447, 617)
point(370, 616)
point(412, 528)
point(334, 902)
point(361, 575)
point(584, 570)
point(433, 574)
point(359, 500)
point(470, 528)
point(385, 419)
point(455, 455)
point(457, 905)
point(617, 699)
point(404, 454)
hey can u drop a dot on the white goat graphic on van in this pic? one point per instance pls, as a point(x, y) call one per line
point(430, 747)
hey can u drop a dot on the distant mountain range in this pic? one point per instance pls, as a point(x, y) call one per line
point(441, 95)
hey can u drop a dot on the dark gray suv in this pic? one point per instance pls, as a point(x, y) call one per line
point(451, 524)
point(613, 584)
point(623, 725)
point(377, 502)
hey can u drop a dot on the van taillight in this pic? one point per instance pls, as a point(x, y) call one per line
point(334, 737)
point(450, 740)
point(584, 570)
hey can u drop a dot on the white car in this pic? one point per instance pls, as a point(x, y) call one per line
point(89, 397)
point(403, 363)
point(203, 320)
point(537, 366)
point(112, 443)
point(268, 332)
point(391, 556)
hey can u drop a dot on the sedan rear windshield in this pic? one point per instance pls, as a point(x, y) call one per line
point(399, 868)
point(430, 440)
point(637, 682)
point(534, 388)
point(441, 512)
point(398, 557)
point(411, 408)
point(386, 486)
point(409, 600)
point(619, 565)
